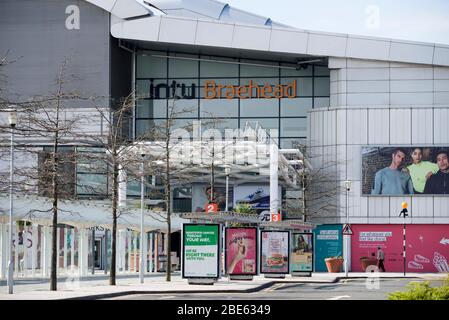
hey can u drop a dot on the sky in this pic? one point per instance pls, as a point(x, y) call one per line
point(415, 20)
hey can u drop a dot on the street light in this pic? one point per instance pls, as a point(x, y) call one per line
point(12, 119)
point(227, 173)
point(142, 198)
point(348, 188)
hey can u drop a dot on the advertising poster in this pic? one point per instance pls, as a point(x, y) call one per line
point(258, 196)
point(366, 240)
point(200, 250)
point(328, 241)
point(302, 252)
point(405, 170)
point(275, 248)
point(427, 248)
point(241, 251)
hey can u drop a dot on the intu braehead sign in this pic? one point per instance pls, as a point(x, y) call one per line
point(213, 90)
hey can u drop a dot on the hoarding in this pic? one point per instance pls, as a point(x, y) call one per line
point(200, 250)
point(302, 252)
point(328, 243)
point(396, 171)
point(241, 251)
point(275, 249)
point(427, 246)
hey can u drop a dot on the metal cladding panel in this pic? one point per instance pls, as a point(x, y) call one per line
point(177, 30)
point(323, 44)
point(421, 207)
point(357, 124)
point(441, 205)
point(441, 55)
point(213, 34)
point(341, 126)
point(400, 126)
point(411, 73)
point(354, 162)
point(248, 37)
point(378, 126)
point(411, 52)
point(357, 204)
point(329, 134)
point(441, 128)
point(282, 41)
point(368, 49)
point(378, 207)
point(422, 124)
point(40, 44)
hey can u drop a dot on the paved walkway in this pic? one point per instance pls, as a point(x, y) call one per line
point(96, 286)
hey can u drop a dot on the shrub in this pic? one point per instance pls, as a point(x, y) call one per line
point(422, 291)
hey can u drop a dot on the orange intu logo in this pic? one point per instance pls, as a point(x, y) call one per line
point(251, 90)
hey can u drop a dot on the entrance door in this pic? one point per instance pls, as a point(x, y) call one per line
point(98, 250)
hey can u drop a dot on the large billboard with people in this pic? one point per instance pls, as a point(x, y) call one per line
point(201, 250)
point(398, 171)
point(241, 251)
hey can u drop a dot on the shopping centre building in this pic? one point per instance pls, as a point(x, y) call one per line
point(349, 101)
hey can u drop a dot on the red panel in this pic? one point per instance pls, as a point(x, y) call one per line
point(427, 246)
point(365, 240)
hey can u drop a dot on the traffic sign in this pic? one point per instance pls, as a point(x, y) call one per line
point(347, 231)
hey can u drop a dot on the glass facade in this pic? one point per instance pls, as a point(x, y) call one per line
point(243, 90)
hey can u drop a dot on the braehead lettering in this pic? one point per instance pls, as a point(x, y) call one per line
point(251, 90)
point(212, 90)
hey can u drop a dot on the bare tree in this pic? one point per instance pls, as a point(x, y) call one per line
point(163, 137)
point(318, 188)
point(44, 119)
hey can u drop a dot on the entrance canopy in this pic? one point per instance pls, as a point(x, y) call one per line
point(84, 214)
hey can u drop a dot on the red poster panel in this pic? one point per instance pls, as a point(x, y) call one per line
point(241, 251)
point(368, 237)
point(427, 248)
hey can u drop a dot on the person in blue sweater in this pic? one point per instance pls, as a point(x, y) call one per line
point(392, 180)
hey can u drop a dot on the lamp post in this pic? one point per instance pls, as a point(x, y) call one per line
point(142, 198)
point(227, 172)
point(348, 188)
point(12, 119)
point(405, 214)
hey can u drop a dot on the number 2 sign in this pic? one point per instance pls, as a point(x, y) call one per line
point(211, 207)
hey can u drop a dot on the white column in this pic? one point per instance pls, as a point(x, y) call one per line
point(151, 252)
point(118, 251)
point(72, 247)
point(66, 232)
point(274, 197)
point(82, 252)
point(44, 252)
point(129, 238)
point(16, 248)
point(136, 261)
point(34, 239)
point(58, 245)
point(3, 250)
point(145, 251)
point(122, 187)
point(24, 261)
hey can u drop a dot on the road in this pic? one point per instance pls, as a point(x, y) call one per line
point(351, 289)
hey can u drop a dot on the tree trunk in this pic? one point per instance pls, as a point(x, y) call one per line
point(168, 206)
point(55, 192)
point(112, 275)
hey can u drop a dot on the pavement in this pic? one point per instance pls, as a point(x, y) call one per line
point(96, 286)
